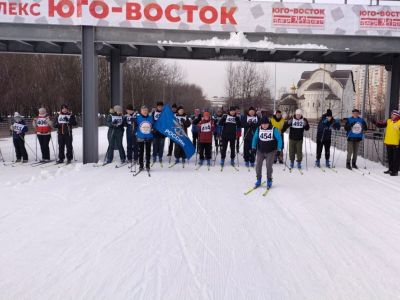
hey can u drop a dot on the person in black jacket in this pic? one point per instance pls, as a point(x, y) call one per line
point(184, 120)
point(250, 124)
point(116, 123)
point(324, 135)
point(158, 138)
point(230, 124)
point(297, 125)
point(64, 123)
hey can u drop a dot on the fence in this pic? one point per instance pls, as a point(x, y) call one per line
point(373, 148)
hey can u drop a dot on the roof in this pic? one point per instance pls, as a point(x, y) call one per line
point(290, 100)
point(339, 75)
point(318, 86)
point(332, 96)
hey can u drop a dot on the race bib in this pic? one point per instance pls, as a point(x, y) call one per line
point(18, 127)
point(129, 119)
point(266, 135)
point(251, 119)
point(298, 123)
point(116, 120)
point(206, 127)
point(63, 119)
point(230, 119)
point(42, 122)
point(145, 127)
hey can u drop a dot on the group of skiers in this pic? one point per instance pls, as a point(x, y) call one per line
point(43, 125)
point(263, 137)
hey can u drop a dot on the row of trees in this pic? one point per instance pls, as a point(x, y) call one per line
point(32, 81)
point(248, 84)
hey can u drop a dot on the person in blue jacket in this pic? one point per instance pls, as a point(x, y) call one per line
point(266, 141)
point(18, 129)
point(355, 127)
point(324, 136)
point(144, 134)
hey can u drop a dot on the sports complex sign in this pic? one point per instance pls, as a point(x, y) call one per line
point(239, 15)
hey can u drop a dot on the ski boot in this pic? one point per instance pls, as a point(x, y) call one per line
point(247, 164)
point(318, 163)
point(232, 162)
point(201, 161)
point(24, 161)
point(387, 172)
point(291, 166)
point(269, 183)
point(348, 166)
point(258, 183)
point(222, 162)
point(299, 165)
point(252, 165)
point(327, 163)
point(354, 166)
point(18, 160)
point(281, 161)
point(177, 161)
point(208, 162)
point(60, 161)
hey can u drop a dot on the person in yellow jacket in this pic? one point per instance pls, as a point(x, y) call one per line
point(392, 141)
point(277, 121)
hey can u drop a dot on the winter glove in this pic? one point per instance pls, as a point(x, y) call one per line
point(254, 150)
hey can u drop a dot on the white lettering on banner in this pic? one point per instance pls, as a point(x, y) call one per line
point(63, 119)
point(298, 123)
point(206, 127)
point(169, 133)
point(156, 115)
point(18, 127)
point(218, 15)
point(266, 135)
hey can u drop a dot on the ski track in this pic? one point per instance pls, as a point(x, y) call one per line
point(79, 232)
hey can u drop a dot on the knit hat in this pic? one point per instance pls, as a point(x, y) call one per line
point(206, 114)
point(160, 103)
point(265, 120)
point(174, 105)
point(180, 107)
point(299, 112)
point(329, 113)
point(232, 108)
point(118, 109)
point(42, 111)
point(251, 108)
point(278, 112)
point(129, 107)
point(144, 107)
point(17, 116)
point(355, 110)
point(64, 106)
point(396, 113)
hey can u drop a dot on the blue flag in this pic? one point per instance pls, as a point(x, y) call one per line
point(170, 127)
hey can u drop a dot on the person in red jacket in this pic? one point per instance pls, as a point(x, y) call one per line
point(206, 128)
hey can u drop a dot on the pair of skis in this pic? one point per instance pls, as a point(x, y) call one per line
point(140, 171)
point(236, 169)
point(265, 193)
point(199, 166)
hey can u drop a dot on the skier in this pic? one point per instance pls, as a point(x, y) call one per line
point(392, 141)
point(218, 129)
point(131, 145)
point(250, 125)
point(238, 130)
point(324, 136)
point(171, 142)
point(43, 126)
point(18, 130)
point(116, 124)
point(195, 119)
point(184, 121)
point(64, 122)
point(205, 128)
point(278, 121)
point(158, 138)
point(144, 134)
point(230, 124)
point(266, 141)
point(297, 125)
point(355, 127)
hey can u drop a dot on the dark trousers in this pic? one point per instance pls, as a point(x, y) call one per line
point(115, 142)
point(131, 147)
point(170, 147)
point(279, 154)
point(158, 148)
point(44, 140)
point(225, 147)
point(195, 137)
point(205, 148)
point(217, 142)
point(20, 150)
point(144, 146)
point(65, 141)
point(179, 153)
point(237, 144)
point(248, 154)
point(327, 146)
point(393, 153)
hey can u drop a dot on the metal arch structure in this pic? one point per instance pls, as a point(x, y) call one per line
point(118, 43)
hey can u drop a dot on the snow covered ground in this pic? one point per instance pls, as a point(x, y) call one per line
point(80, 232)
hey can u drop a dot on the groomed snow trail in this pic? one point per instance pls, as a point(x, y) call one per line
point(80, 232)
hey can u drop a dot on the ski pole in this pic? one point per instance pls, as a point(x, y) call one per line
point(334, 150)
point(305, 144)
point(286, 154)
point(2, 157)
point(36, 146)
point(29, 147)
